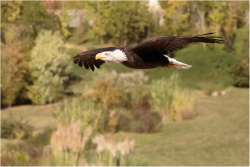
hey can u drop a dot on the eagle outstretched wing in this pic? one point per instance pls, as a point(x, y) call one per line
point(165, 45)
point(87, 58)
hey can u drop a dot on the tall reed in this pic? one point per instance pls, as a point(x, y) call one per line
point(68, 143)
point(112, 153)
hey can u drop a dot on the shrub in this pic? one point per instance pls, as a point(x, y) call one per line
point(105, 95)
point(134, 90)
point(183, 104)
point(21, 154)
point(82, 109)
point(183, 113)
point(139, 121)
point(124, 99)
point(131, 91)
point(240, 70)
point(48, 64)
point(40, 139)
point(10, 158)
point(168, 97)
point(12, 128)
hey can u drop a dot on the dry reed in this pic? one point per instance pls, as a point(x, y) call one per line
point(116, 151)
point(68, 143)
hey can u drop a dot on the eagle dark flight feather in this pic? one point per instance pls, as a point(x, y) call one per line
point(87, 59)
point(165, 45)
point(147, 52)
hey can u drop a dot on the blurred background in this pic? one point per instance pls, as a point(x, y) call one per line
point(56, 113)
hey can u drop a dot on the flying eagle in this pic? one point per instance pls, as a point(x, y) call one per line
point(149, 54)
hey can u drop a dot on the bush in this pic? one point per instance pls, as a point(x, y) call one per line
point(130, 88)
point(12, 128)
point(10, 158)
point(48, 64)
point(22, 154)
point(168, 97)
point(111, 103)
point(81, 109)
point(240, 70)
point(105, 95)
point(40, 139)
point(124, 99)
point(139, 121)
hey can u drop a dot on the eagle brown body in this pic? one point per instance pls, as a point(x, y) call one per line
point(148, 54)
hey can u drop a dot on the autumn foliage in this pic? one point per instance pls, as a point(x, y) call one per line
point(13, 69)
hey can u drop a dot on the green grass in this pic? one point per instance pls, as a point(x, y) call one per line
point(217, 136)
point(40, 117)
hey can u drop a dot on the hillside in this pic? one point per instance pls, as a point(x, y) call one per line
point(217, 136)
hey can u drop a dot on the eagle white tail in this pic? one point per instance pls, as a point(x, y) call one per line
point(177, 64)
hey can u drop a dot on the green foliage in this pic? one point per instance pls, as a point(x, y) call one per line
point(138, 121)
point(240, 70)
point(113, 101)
point(168, 97)
point(81, 109)
point(17, 13)
point(11, 10)
point(128, 87)
point(124, 98)
point(64, 20)
point(177, 19)
point(211, 66)
point(13, 69)
point(12, 128)
point(121, 22)
point(21, 154)
point(40, 18)
point(105, 95)
point(218, 17)
point(40, 139)
point(9, 158)
point(48, 64)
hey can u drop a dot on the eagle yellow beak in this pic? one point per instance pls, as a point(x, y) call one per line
point(98, 56)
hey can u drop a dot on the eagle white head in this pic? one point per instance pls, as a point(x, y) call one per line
point(116, 56)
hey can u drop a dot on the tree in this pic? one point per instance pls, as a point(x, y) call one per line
point(18, 13)
point(177, 17)
point(120, 22)
point(202, 9)
point(13, 68)
point(47, 65)
point(129, 22)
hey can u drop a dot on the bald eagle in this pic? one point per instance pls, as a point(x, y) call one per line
point(149, 54)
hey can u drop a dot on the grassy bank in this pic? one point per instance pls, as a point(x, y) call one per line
point(217, 136)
